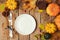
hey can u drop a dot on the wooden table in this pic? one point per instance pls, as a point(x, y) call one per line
point(40, 18)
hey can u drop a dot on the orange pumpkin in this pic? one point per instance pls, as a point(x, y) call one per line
point(52, 9)
point(57, 21)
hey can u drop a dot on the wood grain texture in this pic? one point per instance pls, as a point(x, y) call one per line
point(4, 32)
point(45, 18)
point(2, 1)
point(3, 25)
point(36, 15)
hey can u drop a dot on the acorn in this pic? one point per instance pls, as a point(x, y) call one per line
point(47, 36)
point(6, 12)
point(41, 5)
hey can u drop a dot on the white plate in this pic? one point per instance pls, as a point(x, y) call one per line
point(25, 24)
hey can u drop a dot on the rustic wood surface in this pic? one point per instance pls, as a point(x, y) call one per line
point(4, 33)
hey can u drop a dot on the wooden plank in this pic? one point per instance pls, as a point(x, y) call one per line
point(22, 37)
point(4, 35)
point(37, 31)
point(45, 18)
point(2, 1)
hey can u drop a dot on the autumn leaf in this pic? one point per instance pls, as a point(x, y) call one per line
point(41, 26)
point(2, 7)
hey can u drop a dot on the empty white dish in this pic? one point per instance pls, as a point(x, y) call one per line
point(25, 24)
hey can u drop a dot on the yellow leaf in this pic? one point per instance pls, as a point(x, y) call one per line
point(40, 11)
point(2, 7)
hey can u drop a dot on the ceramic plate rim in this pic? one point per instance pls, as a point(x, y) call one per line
point(33, 20)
